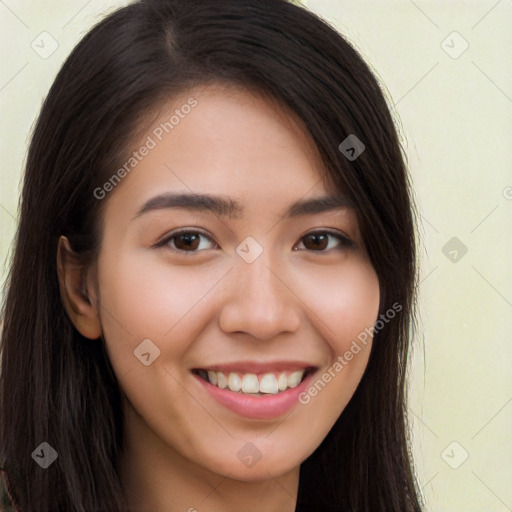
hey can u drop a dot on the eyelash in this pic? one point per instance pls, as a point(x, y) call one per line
point(345, 242)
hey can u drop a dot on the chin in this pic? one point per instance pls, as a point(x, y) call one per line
point(260, 467)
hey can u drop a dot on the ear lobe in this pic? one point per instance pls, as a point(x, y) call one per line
point(75, 295)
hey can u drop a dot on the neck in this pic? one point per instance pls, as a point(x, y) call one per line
point(157, 478)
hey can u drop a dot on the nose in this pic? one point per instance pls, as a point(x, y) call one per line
point(259, 301)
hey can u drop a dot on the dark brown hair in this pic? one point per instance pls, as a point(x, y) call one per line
point(58, 387)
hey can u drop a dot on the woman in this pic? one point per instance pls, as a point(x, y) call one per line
point(211, 291)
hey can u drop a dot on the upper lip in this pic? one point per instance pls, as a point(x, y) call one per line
point(258, 367)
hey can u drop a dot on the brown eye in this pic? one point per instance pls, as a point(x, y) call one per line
point(316, 242)
point(320, 241)
point(186, 242)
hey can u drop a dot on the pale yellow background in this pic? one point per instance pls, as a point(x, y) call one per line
point(456, 115)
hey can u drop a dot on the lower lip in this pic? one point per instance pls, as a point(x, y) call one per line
point(257, 407)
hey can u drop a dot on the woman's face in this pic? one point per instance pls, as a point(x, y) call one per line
point(255, 300)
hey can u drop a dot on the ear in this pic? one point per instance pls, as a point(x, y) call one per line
point(77, 291)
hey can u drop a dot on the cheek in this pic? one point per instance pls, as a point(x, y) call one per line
point(144, 298)
point(344, 299)
point(149, 297)
point(345, 303)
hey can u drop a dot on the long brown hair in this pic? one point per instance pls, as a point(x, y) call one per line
point(58, 387)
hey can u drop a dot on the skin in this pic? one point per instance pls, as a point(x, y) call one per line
point(214, 307)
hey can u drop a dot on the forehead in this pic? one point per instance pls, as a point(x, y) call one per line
point(233, 143)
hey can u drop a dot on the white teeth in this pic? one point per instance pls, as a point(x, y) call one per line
point(282, 382)
point(250, 383)
point(268, 384)
point(222, 381)
point(234, 382)
point(294, 378)
point(212, 377)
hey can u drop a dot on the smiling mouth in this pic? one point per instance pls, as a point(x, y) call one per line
point(263, 384)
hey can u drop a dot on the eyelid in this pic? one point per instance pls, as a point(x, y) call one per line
point(182, 231)
point(345, 241)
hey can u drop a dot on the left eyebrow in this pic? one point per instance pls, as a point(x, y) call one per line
point(227, 207)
